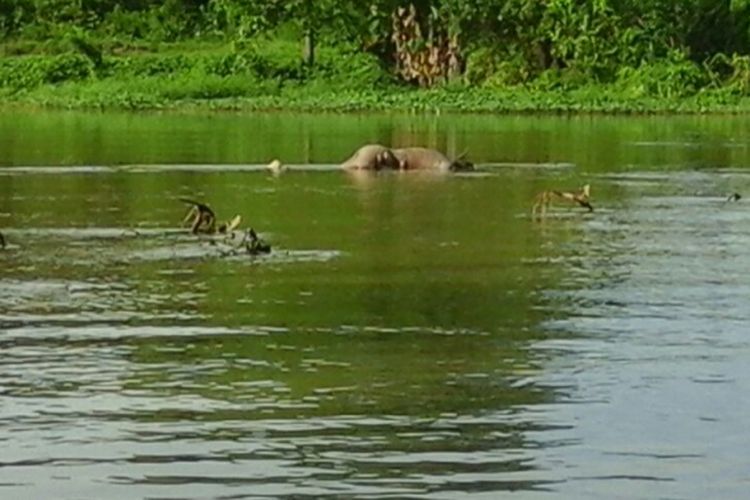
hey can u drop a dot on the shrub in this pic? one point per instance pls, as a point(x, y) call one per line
point(215, 87)
point(732, 74)
point(31, 71)
point(147, 65)
point(274, 59)
point(673, 77)
point(350, 68)
point(481, 64)
point(561, 79)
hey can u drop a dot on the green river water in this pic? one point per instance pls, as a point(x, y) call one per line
point(409, 336)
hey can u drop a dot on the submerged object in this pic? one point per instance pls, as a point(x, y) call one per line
point(200, 216)
point(371, 157)
point(203, 220)
point(253, 244)
point(543, 199)
point(228, 227)
point(276, 167)
point(419, 158)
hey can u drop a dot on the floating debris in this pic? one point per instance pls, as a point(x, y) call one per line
point(253, 244)
point(543, 199)
point(276, 167)
point(228, 227)
point(734, 197)
point(203, 220)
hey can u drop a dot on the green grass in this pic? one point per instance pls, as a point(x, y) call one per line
point(241, 93)
point(270, 75)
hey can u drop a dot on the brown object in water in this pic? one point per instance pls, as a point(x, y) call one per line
point(203, 220)
point(418, 158)
point(200, 216)
point(543, 199)
point(371, 157)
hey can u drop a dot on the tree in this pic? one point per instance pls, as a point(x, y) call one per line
point(247, 18)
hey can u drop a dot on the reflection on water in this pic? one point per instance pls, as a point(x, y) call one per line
point(410, 336)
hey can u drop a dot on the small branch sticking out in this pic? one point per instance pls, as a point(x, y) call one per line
point(201, 217)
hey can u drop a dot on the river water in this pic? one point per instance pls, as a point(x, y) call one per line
point(409, 336)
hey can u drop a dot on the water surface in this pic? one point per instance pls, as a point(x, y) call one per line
point(410, 336)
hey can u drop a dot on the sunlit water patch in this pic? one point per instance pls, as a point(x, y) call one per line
point(661, 319)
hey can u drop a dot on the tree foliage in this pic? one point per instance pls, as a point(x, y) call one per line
point(508, 42)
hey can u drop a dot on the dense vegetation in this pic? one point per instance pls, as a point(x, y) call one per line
point(334, 54)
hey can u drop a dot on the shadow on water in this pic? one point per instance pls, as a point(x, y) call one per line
point(410, 336)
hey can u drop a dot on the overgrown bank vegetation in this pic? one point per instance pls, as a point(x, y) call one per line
point(472, 55)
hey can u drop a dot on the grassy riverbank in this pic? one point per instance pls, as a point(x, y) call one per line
point(271, 75)
point(153, 94)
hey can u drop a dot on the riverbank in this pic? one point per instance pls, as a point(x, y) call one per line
point(273, 77)
point(155, 95)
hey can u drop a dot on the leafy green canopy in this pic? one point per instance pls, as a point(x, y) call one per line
point(505, 42)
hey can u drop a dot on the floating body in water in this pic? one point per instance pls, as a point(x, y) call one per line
point(371, 157)
point(378, 157)
point(418, 158)
point(203, 220)
point(543, 199)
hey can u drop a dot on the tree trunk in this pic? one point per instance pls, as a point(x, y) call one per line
point(308, 52)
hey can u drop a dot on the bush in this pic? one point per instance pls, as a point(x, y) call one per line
point(282, 60)
point(67, 67)
point(147, 65)
point(31, 71)
point(350, 68)
point(668, 78)
point(274, 59)
point(486, 67)
point(732, 74)
point(127, 24)
point(481, 64)
point(561, 79)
